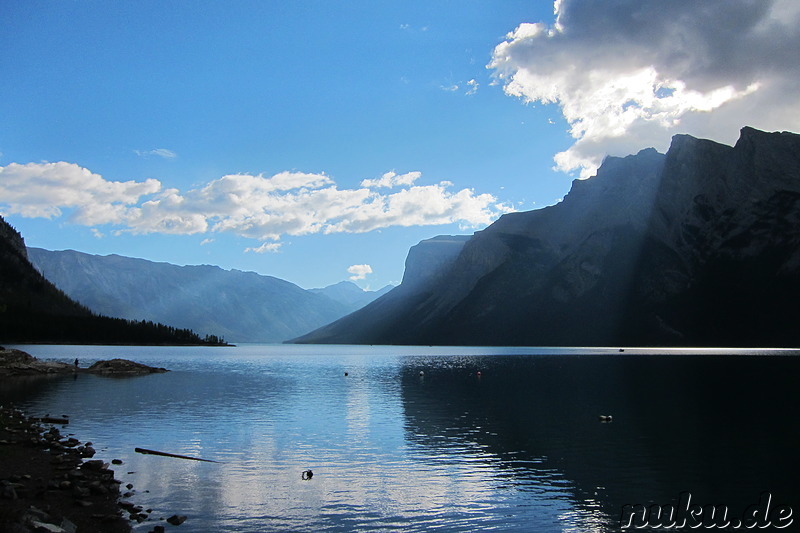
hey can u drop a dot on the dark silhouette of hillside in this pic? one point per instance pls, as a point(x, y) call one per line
point(33, 310)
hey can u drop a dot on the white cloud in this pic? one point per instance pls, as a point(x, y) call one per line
point(392, 179)
point(272, 247)
point(44, 189)
point(359, 271)
point(160, 152)
point(632, 73)
point(206, 241)
point(252, 206)
point(410, 28)
point(470, 87)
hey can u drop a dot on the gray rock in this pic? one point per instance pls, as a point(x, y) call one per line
point(94, 464)
point(123, 366)
point(46, 527)
point(87, 451)
point(68, 526)
point(176, 520)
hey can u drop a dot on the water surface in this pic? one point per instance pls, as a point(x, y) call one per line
point(420, 439)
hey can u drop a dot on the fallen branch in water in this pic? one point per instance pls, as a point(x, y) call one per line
point(165, 454)
point(52, 420)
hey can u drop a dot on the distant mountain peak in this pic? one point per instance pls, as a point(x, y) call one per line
point(349, 294)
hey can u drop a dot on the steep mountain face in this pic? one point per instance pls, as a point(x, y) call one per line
point(428, 261)
point(239, 306)
point(350, 295)
point(695, 247)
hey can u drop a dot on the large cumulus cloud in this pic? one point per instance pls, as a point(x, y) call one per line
point(254, 206)
point(631, 73)
point(45, 189)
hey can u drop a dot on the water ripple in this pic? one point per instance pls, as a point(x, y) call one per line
point(516, 448)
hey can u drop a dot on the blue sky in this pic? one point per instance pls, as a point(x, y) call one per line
point(305, 139)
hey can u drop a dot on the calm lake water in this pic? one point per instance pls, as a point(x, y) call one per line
point(442, 439)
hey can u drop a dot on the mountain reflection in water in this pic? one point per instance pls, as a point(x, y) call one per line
point(414, 439)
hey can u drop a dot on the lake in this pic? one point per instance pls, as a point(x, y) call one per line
point(436, 439)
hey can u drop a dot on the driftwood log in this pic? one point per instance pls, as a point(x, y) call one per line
point(165, 454)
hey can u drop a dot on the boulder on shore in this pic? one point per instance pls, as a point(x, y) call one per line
point(123, 366)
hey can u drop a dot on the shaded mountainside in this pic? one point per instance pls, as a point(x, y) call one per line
point(33, 310)
point(700, 246)
point(240, 306)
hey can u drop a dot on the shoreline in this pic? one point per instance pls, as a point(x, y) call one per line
point(76, 343)
point(49, 480)
point(15, 363)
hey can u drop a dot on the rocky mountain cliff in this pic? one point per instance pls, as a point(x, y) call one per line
point(429, 260)
point(240, 306)
point(700, 246)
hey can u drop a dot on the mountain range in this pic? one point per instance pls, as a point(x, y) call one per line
point(696, 247)
point(239, 306)
point(32, 309)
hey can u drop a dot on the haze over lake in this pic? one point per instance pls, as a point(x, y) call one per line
point(416, 439)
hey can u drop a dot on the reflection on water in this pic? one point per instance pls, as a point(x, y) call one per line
point(413, 439)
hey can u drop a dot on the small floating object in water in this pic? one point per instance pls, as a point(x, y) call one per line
point(622, 349)
point(346, 374)
point(605, 418)
point(307, 474)
point(421, 373)
point(479, 373)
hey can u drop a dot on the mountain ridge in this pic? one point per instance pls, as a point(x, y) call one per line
point(32, 309)
point(351, 295)
point(241, 306)
point(698, 246)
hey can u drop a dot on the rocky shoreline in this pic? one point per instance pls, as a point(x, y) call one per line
point(49, 482)
point(19, 363)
